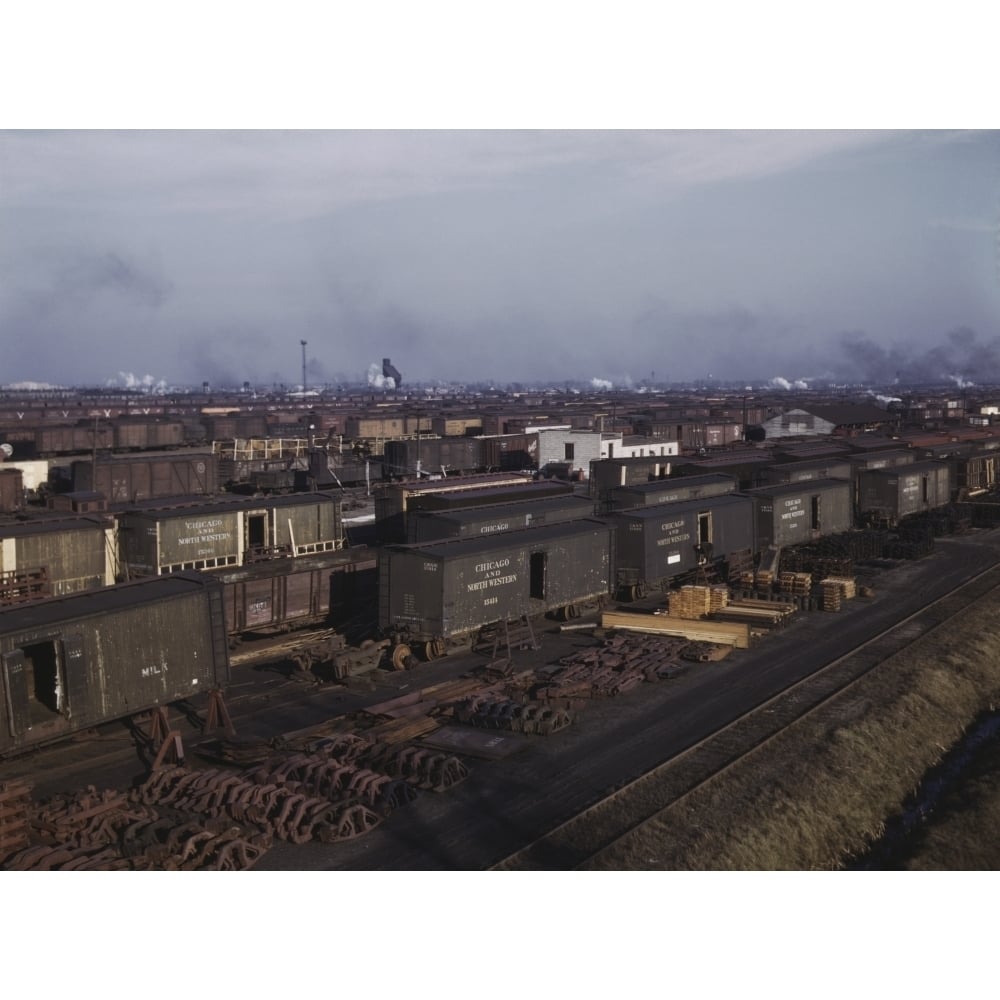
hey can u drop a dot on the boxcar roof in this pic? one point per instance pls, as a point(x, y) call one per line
point(42, 526)
point(683, 506)
point(185, 506)
point(88, 603)
point(511, 507)
point(505, 541)
point(806, 486)
point(678, 482)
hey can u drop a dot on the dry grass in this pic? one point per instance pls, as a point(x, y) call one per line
point(822, 790)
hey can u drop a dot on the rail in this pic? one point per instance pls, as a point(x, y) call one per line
point(620, 814)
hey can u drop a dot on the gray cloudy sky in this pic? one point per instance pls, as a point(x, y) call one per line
point(528, 256)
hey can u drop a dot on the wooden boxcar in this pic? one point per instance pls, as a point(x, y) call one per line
point(53, 556)
point(148, 477)
point(155, 539)
point(793, 513)
point(495, 519)
point(669, 491)
point(894, 493)
point(449, 590)
point(74, 662)
point(656, 544)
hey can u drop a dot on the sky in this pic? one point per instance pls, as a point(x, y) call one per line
point(499, 256)
point(500, 195)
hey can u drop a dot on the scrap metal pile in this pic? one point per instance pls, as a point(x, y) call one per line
point(184, 818)
point(621, 663)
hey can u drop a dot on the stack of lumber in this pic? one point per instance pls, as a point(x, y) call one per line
point(834, 590)
point(722, 633)
point(798, 584)
point(696, 601)
point(757, 613)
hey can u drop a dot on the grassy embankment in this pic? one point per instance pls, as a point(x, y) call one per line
point(822, 790)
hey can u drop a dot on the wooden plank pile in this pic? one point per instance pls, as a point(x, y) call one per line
point(757, 613)
point(834, 590)
point(797, 584)
point(722, 633)
point(696, 601)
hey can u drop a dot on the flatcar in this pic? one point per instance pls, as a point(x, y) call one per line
point(70, 663)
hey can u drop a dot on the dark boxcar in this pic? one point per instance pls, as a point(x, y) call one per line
point(899, 492)
point(801, 472)
point(669, 491)
point(607, 474)
point(282, 594)
point(392, 501)
point(68, 439)
point(510, 451)
point(450, 589)
point(793, 513)
point(493, 519)
point(433, 455)
point(883, 459)
point(70, 663)
point(148, 477)
point(134, 434)
point(657, 543)
point(222, 427)
point(65, 554)
point(746, 466)
point(11, 490)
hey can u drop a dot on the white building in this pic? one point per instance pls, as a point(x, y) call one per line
point(573, 450)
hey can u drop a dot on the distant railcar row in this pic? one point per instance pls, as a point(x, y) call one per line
point(456, 556)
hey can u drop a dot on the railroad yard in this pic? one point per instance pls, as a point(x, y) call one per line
point(232, 655)
point(495, 792)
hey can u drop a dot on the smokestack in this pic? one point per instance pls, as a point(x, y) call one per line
point(303, 364)
point(388, 371)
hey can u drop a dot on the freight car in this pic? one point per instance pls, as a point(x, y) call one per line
point(154, 539)
point(441, 593)
point(447, 455)
point(70, 663)
point(142, 434)
point(284, 594)
point(886, 496)
point(667, 491)
point(657, 544)
point(54, 555)
point(495, 519)
point(793, 513)
point(133, 478)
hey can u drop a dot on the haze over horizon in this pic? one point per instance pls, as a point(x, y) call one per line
point(535, 256)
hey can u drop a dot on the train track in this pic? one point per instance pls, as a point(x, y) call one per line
point(581, 840)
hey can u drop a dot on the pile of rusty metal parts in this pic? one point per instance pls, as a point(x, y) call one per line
point(623, 662)
point(185, 818)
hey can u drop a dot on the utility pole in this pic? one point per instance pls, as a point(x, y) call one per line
point(303, 367)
